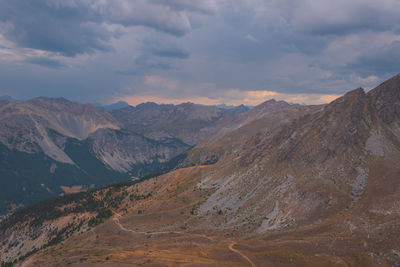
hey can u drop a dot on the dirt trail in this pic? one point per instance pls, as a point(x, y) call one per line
point(241, 254)
point(116, 220)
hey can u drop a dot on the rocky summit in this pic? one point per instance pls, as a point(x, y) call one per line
point(277, 185)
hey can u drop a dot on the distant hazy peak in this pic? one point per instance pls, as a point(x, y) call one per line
point(45, 99)
point(272, 105)
point(117, 105)
point(8, 98)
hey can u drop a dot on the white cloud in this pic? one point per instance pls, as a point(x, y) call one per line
point(368, 80)
point(203, 6)
point(251, 38)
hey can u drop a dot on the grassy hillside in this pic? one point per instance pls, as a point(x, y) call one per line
point(88, 209)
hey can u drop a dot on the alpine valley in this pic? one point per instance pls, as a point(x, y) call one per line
point(274, 185)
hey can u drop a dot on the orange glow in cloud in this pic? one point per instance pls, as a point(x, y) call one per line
point(138, 99)
point(233, 97)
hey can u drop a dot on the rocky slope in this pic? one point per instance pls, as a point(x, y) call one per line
point(230, 134)
point(168, 121)
point(51, 145)
point(25, 126)
point(231, 122)
point(126, 151)
point(311, 168)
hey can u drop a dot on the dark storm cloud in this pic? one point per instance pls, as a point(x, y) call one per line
point(385, 60)
point(304, 46)
point(45, 62)
point(172, 53)
point(68, 28)
point(143, 65)
point(142, 69)
point(324, 17)
point(77, 27)
point(163, 48)
point(357, 18)
point(141, 13)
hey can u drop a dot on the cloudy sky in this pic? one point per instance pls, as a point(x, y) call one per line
point(203, 51)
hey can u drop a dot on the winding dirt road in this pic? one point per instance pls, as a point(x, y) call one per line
point(116, 220)
point(231, 248)
point(241, 254)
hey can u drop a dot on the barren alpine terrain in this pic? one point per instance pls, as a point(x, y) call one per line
point(318, 188)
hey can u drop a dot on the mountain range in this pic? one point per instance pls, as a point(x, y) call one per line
point(52, 146)
point(276, 185)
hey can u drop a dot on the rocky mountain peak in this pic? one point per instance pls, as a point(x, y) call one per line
point(198, 112)
point(386, 99)
point(351, 96)
point(64, 105)
point(358, 92)
point(352, 105)
point(48, 101)
point(271, 106)
point(147, 105)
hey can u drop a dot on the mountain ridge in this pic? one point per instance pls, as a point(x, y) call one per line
point(63, 131)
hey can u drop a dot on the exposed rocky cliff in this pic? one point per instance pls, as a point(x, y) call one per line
point(25, 126)
point(123, 150)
